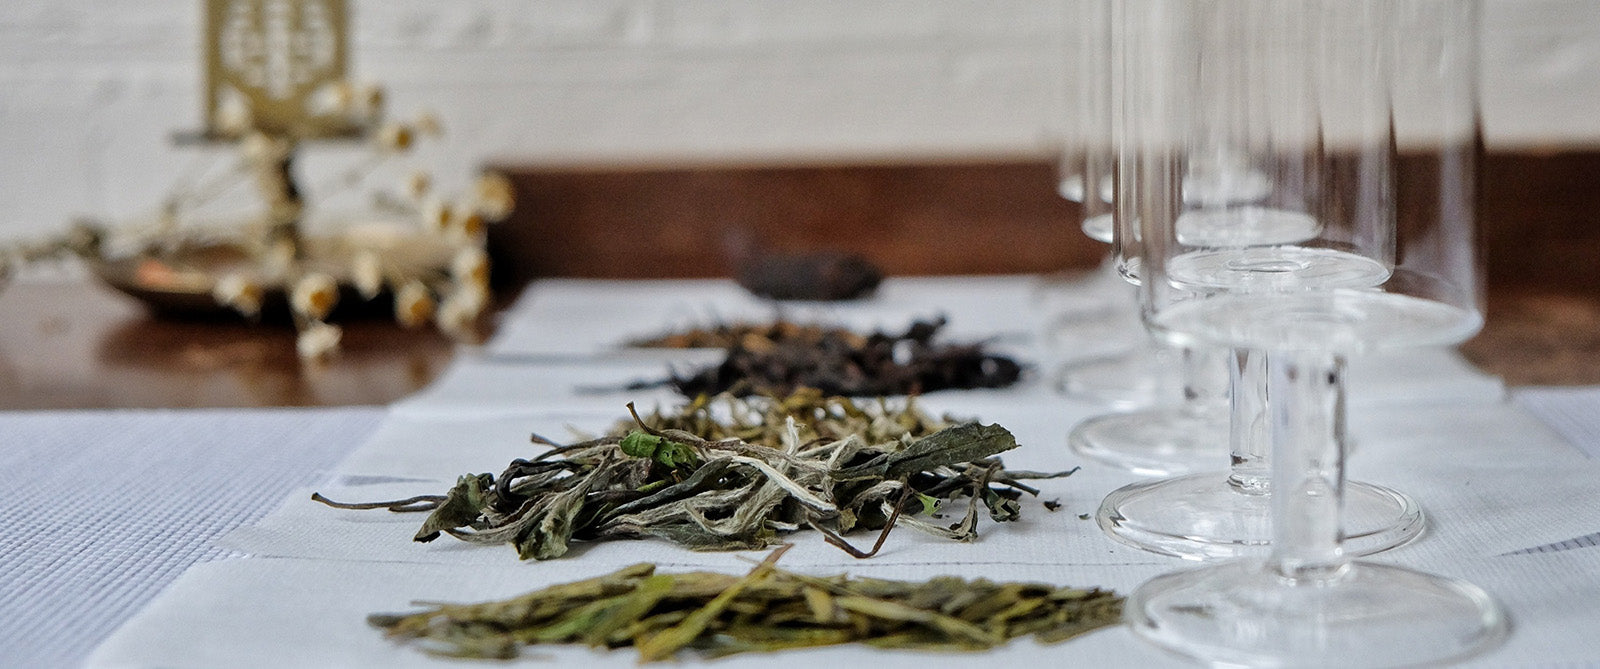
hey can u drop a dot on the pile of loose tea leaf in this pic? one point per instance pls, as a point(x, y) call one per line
point(839, 362)
point(735, 473)
point(766, 610)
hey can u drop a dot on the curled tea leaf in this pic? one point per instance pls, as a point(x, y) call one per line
point(738, 473)
point(461, 506)
point(962, 443)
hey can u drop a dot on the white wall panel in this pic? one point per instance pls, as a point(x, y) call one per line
point(91, 90)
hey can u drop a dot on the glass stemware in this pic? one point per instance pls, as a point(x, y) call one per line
point(1096, 306)
point(1372, 277)
point(1169, 403)
point(1238, 51)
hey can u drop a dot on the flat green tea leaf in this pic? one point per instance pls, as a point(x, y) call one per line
point(628, 609)
point(668, 641)
point(766, 610)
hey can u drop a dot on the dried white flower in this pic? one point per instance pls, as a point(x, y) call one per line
point(459, 313)
point(494, 196)
point(428, 124)
point(413, 304)
point(318, 340)
point(314, 296)
point(474, 298)
point(366, 270)
point(436, 215)
point(470, 267)
point(396, 137)
point(239, 292)
point(417, 184)
point(467, 224)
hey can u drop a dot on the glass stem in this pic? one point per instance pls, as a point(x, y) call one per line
point(1249, 468)
point(1205, 387)
point(1307, 432)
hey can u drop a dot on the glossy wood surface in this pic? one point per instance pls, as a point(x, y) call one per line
point(78, 345)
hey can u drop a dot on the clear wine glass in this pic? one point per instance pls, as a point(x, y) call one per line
point(1374, 276)
point(1239, 50)
point(1169, 410)
point(1171, 402)
point(1101, 363)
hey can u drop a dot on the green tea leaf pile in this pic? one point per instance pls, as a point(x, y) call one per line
point(766, 610)
point(731, 473)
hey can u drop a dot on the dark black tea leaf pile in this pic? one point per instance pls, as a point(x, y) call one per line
point(839, 362)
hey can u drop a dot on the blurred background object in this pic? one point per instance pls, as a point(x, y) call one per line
point(94, 86)
point(922, 136)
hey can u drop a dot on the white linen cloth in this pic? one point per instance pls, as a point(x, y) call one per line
point(1504, 494)
point(106, 508)
point(1572, 412)
point(310, 613)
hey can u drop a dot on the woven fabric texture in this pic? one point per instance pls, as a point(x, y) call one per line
point(105, 508)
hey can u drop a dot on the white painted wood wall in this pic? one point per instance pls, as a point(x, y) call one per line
point(91, 90)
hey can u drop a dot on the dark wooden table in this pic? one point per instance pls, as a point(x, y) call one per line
point(1537, 335)
point(76, 345)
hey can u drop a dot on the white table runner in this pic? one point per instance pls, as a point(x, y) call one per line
point(1500, 487)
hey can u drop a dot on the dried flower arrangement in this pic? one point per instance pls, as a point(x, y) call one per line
point(422, 247)
point(425, 250)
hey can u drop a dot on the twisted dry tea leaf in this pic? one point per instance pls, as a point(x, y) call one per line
point(731, 473)
point(951, 446)
point(783, 358)
point(766, 610)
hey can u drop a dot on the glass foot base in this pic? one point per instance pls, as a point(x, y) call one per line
point(1361, 614)
point(1163, 441)
point(1130, 380)
point(1203, 517)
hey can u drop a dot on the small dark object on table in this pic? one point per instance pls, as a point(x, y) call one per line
point(810, 276)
